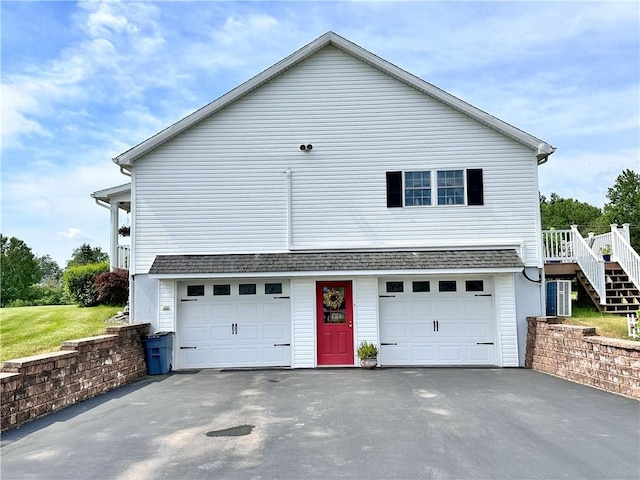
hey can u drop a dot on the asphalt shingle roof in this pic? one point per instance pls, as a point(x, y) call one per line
point(335, 261)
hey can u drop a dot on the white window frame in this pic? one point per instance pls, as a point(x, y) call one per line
point(433, 178)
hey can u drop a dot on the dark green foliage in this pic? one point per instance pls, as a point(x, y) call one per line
point(85, 255)
point(41, 294)
point(560, 213)
point(79, 282)
point(18, 269)
point(624, 205)
point(113, 287)
point(51, 271)
point(367, 350)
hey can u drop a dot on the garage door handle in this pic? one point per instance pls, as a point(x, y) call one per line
point(188, 299)
point(283, 298)
point(281, 344)
point(484, 343)
point(388, 344)
point(188, 348)
point(387, 296)
point(482, 295)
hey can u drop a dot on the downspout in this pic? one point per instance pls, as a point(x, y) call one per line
point(102, 203)
point(124, 171)
point(289, 220)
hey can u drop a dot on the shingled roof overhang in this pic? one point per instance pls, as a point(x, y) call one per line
point(353, 263)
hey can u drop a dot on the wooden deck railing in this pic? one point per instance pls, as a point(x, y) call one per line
point(592, 265)
point(625, 255)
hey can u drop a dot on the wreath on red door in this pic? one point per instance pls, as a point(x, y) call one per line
point(333, 298)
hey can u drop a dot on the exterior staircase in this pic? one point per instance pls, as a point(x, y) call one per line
point(622, 296)
point(613, 286)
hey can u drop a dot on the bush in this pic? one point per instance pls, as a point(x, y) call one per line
point(113, 287)
point(39, 295)
point(79, 282)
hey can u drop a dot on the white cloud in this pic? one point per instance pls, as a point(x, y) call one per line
point(73, 233)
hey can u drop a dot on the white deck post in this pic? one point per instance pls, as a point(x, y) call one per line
point(113, 244)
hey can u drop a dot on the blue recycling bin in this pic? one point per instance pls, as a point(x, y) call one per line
point(158, 352)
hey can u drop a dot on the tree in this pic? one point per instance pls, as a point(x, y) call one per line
point(51, 272)
point(623, 204)
point(19, 269)
point(84, 255)
point(561, 213)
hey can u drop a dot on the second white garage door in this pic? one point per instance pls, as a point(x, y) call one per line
point(437, 322)
point(233, 324)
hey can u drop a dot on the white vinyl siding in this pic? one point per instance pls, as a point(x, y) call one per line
point(166, 315)
point(221, 186)
point(507, 324)
point(365, 308)
point(303, 306)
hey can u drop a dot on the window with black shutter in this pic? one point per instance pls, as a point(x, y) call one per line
point(394, 189)
point(475, 190)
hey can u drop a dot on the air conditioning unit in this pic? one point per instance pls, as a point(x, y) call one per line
point(559, 298)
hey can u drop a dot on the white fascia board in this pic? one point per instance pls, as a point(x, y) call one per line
point(108, 193)
point(543, 150)
point(346, 273)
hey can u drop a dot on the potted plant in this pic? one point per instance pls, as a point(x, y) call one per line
point(606, 253)
point(124, 230)
point(368, 355)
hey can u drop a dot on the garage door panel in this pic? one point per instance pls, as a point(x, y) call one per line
point(233, 330)
point(197, 314)
point(193, 358)
point(220, 333)
point(449, 329)
point(394, 355)
point(477, 331)
point(447, 307)
point(433, 327)
point(423, 355)
point(451, 354)
point(422, 330)
point(479, 353)
point(247, 312)
point(392, 332)
point(223, 313)
point(392, 310)
point(274, 333)
point(421, 309)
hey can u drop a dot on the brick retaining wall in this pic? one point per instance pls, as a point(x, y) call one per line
point(32, 387)
point(577, 354)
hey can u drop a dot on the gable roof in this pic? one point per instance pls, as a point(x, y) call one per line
point(542, 149)
point(335, 262)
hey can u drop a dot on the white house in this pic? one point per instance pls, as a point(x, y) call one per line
point(331, 199)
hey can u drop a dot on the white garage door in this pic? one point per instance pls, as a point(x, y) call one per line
point(233, 324)
point(437, 322)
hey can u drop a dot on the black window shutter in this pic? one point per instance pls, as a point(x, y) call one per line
point(394, 189)
point(475, 190)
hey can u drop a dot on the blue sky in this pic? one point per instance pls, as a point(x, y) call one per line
point(84, 81)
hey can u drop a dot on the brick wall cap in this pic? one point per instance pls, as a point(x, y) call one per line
point(586, 331)
point(7, 376)
point(549, 319)
point(614, 342)
point(79, 342)
point(130, 326)
point(35, 359)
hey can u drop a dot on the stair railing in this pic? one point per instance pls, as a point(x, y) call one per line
point(625, 255)
point(592, 265)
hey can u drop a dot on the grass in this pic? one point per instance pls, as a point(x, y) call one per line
point(26, 331)
point(607, 325)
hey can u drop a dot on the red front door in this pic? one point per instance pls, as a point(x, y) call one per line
point(335, 323)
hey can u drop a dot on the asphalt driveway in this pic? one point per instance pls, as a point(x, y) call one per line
point(344, 423)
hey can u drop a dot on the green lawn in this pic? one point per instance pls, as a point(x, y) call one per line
point(606, 325)
point(26, 331)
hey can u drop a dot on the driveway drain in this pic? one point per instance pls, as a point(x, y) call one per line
point(238, 431)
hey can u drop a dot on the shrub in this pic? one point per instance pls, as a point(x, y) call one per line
point(39, 295)
point(113, 287)
point(79, 282)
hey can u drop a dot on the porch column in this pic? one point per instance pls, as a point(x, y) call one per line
point(113, 247)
